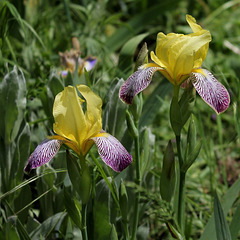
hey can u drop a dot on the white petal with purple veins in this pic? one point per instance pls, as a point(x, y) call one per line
point(43, 153)
point(210, 90)
point(136, 83)
point(112, 152)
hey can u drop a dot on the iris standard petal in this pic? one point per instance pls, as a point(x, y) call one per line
point(182, 54)
point(193, 23)
point(178, 54)
point(202, 52)
point(93, 114)
point(69, 118)
point(43, 153)
point(112, 152)
point(210, 90)
point(137, 82)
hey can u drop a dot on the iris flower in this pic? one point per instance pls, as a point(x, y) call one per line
point(179, 58)
point(79, 130)
point(71, 59)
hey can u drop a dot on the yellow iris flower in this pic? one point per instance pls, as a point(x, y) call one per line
point(178, 54)
point(179, 58)
point(79, 130)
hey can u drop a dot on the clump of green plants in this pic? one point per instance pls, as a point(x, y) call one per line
point(120, 120)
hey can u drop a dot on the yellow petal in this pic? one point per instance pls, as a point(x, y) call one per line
point(93, 117)
point(69, 118)
point(202, 52)
point(188, 51)
point(179, 54)
point(193, 23)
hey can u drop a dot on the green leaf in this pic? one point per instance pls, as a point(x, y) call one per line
point(187, 102)
point(168, 176)
point(221, 225)
point(153, 103)
point(126, 55)
point(147, 144)
point(192, 148)
point(80, 177)
point(176, 116)
point(12, 104)
point(55, 84)
point(73, 208)
point(142, 57)
point(23, 152)
point(113, 235)
point(20, 228)
point(191, 157)
point(8, 232)
point(102, 209)
point(22, 22)
point(174, 232)
point(24, 198)
point(47, 100)
point(47, 226)
point(192, 135)
point(131, 125)
point(137, 24)
point(123, 200)
point(114, 113)
point(104, 176)
point(234, 225)
point(227, 202)
point(136, 107)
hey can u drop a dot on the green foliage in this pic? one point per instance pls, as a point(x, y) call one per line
point(48, 203)
point(168, 175)
point(221, 226)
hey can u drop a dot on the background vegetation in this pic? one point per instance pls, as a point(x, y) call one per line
point(44, 205)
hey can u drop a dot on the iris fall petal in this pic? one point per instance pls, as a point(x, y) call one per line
point(112, 152)
point(137, 82)
point(210, 90)
point(43, 153)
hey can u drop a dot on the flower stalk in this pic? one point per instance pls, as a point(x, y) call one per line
point(84, 222)
point(133, 129)
point(181, 194)
point(138, 182)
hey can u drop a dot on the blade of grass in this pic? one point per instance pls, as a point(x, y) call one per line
point(26, 182)
point(227, 202)
point(234, 225)
point(222, 229)
point(105, 178)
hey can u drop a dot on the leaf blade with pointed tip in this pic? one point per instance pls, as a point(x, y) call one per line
point(222, 229)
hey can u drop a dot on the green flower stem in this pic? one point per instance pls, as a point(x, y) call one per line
point(84, 222)
point(181, 194)
point(182, 174)
point(138, 182)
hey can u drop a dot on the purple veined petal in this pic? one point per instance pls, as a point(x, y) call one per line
point(43, 153)
point(112, 152)
point(137, 82)
point(210, 90)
